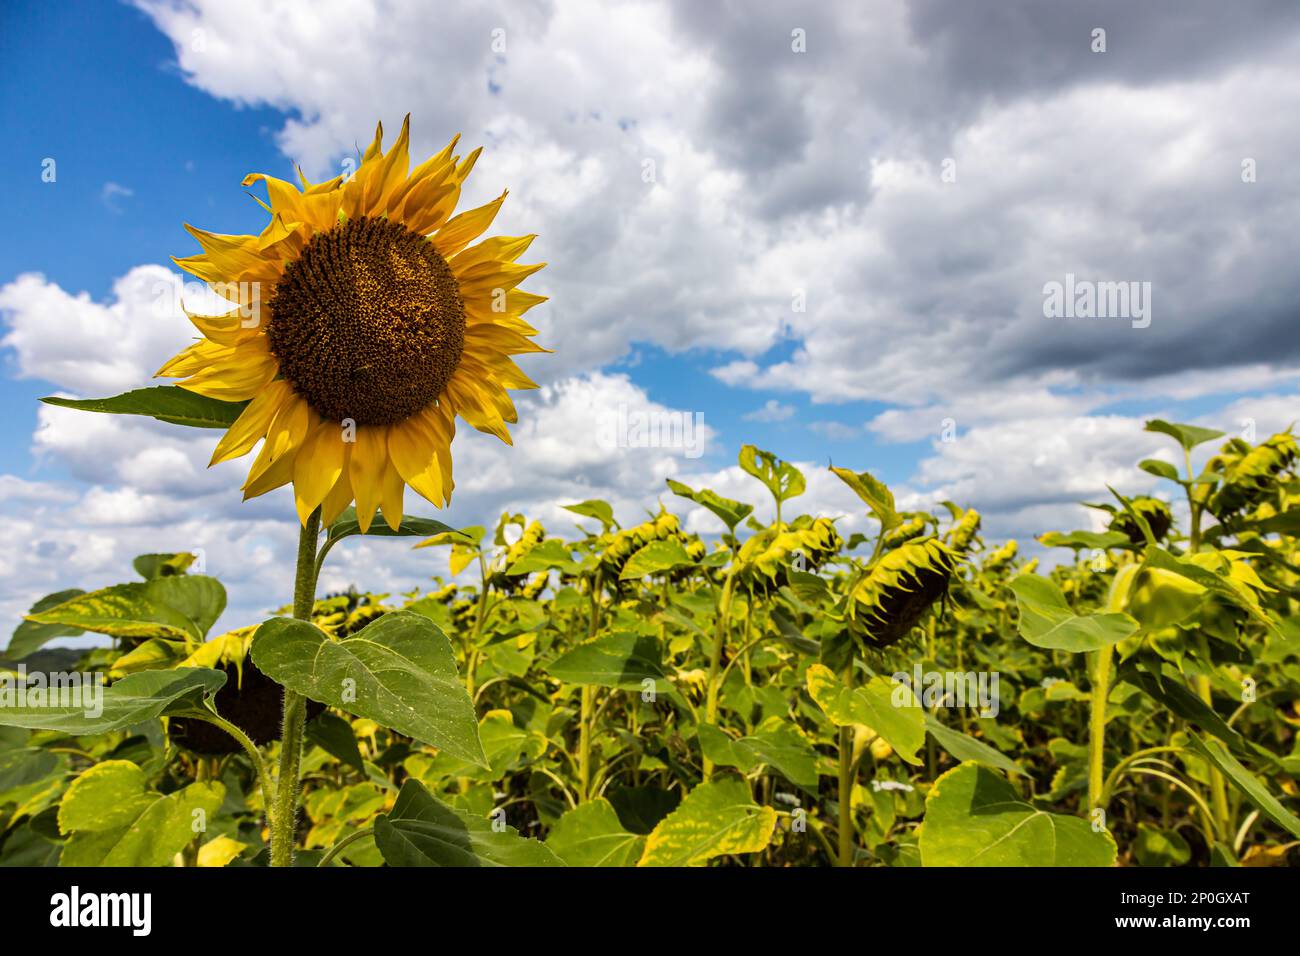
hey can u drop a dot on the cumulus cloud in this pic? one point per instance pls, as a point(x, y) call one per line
point(733, 177)
point(771, 411)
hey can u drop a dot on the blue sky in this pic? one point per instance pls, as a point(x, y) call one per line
point(778, 174)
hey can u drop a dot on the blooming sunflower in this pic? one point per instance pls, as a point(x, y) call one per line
point(374, 322)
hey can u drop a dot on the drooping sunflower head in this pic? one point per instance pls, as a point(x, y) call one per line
point(369, 317)
point(1157, 514)
point(894, 595)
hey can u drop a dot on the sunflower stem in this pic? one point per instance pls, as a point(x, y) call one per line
point(588, 701)
point(285, 816)
point(715, 661)
point(847, 759)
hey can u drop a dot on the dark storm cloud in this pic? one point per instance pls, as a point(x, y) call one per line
point(1114, 166)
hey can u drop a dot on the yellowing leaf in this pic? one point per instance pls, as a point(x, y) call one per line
point(716, 818)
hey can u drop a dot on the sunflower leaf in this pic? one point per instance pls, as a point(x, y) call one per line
point(421, 830)
point(411, 527)
point(399, 670)
point(124, 703)
point(731, 512)
point(167, 403)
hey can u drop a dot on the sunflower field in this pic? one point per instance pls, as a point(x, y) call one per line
point(620, 692)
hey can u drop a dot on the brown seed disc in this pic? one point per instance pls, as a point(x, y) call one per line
point(367, 323)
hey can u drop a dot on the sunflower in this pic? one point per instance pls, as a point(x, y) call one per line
point(899, 589)
point(375, 320)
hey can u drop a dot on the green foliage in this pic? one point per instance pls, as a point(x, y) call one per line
point(637, 695)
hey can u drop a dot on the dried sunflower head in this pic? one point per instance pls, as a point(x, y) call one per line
point(1249, 474)
point(1157, 515)
point(891, 598)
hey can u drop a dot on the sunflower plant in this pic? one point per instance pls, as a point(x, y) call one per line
point(372, 315)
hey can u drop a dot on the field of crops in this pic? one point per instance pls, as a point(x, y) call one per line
point(619, 692)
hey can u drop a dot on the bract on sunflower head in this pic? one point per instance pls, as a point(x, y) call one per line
point(369, 318)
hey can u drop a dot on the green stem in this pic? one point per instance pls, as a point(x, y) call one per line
point(584, 743)
point(1100, 674)
point(347, 840)
point(588, 702)
point(250, 748)
point(1097, 725)
point(284, 818)
point(1201, 683)
point(847, 761)
point(1218, 786)
point(715, 661)
point(471, 654)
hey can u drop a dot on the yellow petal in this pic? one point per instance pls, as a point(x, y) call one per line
point(504, 279)
point(392, 490)
point(340, 496)
point(366, 471)
point(463, 229)
point(252, 424)
point(414, 449)
point(489, 252)
point(273, 465)
point(475, 408)
point(317, 467)
point(390, 172)
point(237, 377)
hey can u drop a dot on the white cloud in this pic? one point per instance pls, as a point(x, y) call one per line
point(112, 193)
point(91, 347)
point(772, 411)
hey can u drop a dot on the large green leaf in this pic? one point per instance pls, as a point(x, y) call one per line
point(716, 818)
point(1189, 436)
point(974, 817)
point(623, 659)
point(965, 747)
point(178, 606)
point(888, 708)
point(776, 744)
point(399, 670)
point(595, 508)
point(125, 703)
point(200, 598)
point(346, 524)
point(31, 636)
point(1047, 621)
point(167, 403)
point(1246, 782)
point(730, 512)
point(655, 558)
point(874, 492)
point(113, 821)
point(551, 553)
point(783, 479)
point(423, 831)
point(590, 834)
